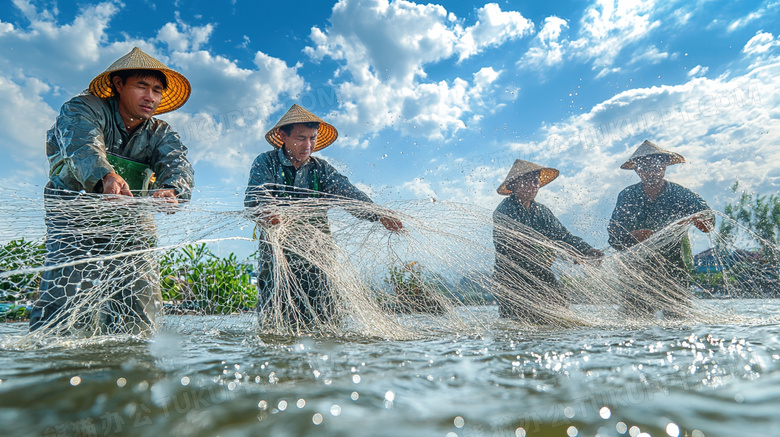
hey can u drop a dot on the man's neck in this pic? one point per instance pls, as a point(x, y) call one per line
point(297, 163)
point(131, 124)
point(653, 190)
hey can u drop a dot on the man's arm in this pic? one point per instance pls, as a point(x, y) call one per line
point(76, 146)
point(556, 231)
point(337, 184)
point(260, 176)
point(173, 170)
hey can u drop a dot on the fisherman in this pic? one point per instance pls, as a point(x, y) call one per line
point(526, 234)
point(105, 148)
point(643, 209)
point(290, 176)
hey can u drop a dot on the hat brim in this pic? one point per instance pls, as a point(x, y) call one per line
point(173, 97)
point(546, 175)
point(326, 135)
point(671, 158)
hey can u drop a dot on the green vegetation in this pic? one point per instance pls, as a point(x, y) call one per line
point(759, 214)
point(193, 278)
point(752, 272)
point(414, 289)
point(18, 255)
point(16, 290)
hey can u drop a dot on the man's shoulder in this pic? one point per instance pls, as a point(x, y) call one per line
point(89, 100)
point(677, 188)
point(632, 190)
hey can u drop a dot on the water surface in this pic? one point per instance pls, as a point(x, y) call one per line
point(216, 376)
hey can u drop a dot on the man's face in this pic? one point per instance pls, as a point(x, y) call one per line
point(299, 144)
point(139, 97)
point(651, 171)
point(526, 187)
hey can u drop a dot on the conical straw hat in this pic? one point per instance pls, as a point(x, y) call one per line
point(521, 168)
point(326, 135)
point(173, 97)
point(649, 149)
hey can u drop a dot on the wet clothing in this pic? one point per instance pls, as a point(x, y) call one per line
point(88, 127)
point(274, 176)
point(634, 210)
point(524, 268)
point(81, 225)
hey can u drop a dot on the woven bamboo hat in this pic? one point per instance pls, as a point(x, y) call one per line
point(173, 97)
point(521, 168)
point(326, 135)
point(647, 149)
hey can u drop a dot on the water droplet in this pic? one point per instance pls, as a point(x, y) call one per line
point(316, 419)
point(76, 380)
point(459, 422)
point(282, 405)
point(355, 396)
point(301, 403)
point(335, 410)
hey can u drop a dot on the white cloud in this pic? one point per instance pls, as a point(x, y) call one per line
point(493, 28)
point(24, 120)
point(383, 49)
point(650, 55)
point(698, 71)
point(609, 26)
point(760, 44)
point(188, 38)
point(546, 49)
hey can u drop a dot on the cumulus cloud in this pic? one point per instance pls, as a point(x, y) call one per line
point(698, 71)
point(493, 28)
point(383, 49)
point(547, 48)
point(609, 26)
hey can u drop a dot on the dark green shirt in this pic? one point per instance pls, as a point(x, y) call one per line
point(634, 211)
point(88, 127)
point(539, 223)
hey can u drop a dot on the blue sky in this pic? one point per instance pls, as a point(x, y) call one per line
point(431, 100)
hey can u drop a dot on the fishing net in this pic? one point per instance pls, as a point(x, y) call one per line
point(89, 265)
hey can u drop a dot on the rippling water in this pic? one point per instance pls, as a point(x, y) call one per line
point(695, 380)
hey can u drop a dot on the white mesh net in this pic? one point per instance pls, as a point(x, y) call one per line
point(132, 265)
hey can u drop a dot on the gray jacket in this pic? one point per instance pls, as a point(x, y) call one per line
point(88, 127)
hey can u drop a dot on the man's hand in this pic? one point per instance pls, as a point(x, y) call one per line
point(641, 234)
point(265, 218)
point(391, 224)
point(114, 184)
point(704, 224)
point(168, 197)
point(167, 194)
